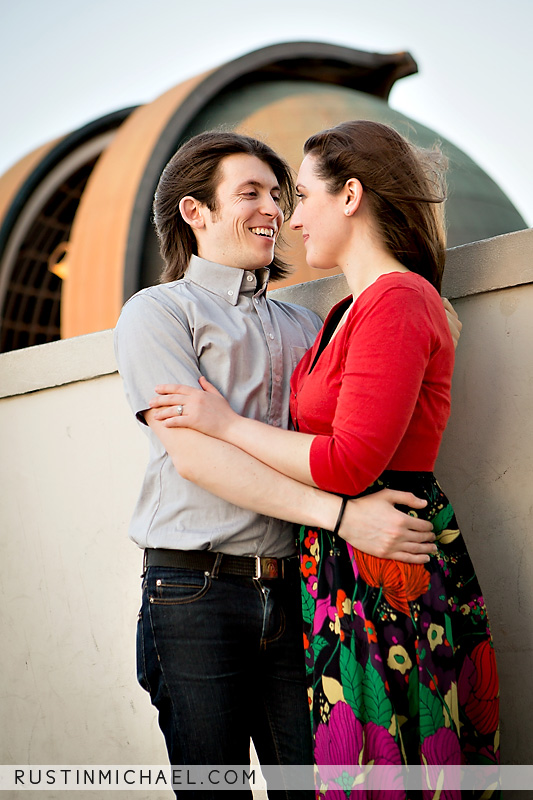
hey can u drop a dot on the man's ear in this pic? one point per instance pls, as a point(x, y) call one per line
point(192, 212)
point(352, 195)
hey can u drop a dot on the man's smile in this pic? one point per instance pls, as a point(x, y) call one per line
point(268, 232)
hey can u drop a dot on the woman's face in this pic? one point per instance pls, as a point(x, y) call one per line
point(319, 216)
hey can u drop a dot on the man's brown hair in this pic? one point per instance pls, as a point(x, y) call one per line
point(195, 170)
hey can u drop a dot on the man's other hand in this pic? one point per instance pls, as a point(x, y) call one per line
point(374, 525)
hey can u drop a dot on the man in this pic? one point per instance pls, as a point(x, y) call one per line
point(219, 636)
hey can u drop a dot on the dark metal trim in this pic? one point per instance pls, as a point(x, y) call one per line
point(63, 148)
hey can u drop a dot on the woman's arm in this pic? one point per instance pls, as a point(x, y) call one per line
point(209, 412)
point(144, 329)
point(371, 523)
point(230, 473)
point(383, 371)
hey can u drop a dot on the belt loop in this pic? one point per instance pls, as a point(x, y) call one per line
point(216, 565)
point(145, 559)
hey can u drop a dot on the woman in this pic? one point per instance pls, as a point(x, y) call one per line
point(400, 660)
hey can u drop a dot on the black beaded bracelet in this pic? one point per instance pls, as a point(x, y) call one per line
point(341, 514)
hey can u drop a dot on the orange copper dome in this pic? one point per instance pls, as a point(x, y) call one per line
point(108, 248)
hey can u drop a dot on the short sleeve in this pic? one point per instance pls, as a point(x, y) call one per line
point(153, 345)
point(388, 349)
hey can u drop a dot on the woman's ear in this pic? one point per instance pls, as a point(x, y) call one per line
point(192, 212)
point(352, 196)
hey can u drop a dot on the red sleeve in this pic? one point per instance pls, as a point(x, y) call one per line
point(389, 343)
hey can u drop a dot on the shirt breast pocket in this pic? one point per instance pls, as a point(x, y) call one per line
point(297, 353)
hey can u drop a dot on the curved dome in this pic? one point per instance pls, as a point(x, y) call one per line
point(281, 93)
point(39, 197)
point(285, 114)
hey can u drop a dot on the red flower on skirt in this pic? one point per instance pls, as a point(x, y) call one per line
point(370, 631)
point(478, 688)
point(400, 583)
point(341, 598)
point(308, 566)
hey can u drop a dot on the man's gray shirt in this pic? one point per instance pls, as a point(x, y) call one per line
point(218, 322)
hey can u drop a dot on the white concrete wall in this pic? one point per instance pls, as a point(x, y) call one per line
point(70, 469)
point(486, 464)
point(71, 462)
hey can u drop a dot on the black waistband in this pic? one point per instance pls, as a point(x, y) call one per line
point(214, 563)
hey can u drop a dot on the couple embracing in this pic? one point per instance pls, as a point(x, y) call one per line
point(289, 487)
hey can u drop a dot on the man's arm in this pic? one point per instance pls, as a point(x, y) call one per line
point(370, 523)
point(453, 321)
point(147, 327)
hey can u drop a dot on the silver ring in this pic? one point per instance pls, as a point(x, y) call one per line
point(179, 410)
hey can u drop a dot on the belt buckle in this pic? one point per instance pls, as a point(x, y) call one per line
point(266, 568)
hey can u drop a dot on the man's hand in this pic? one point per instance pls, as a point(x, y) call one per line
point(453, 320)
point(373, 524)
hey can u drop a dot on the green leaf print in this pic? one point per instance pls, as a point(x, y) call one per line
point(449, 631)
point(308, 605)
point(352, 679)
point(441, 520)
point(431, 713)
point(377, 704)
point(318, 643)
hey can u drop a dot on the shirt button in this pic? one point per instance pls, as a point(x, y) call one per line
point(270, 335)
point(256, 300)
point(230, 292)
point(249, 277)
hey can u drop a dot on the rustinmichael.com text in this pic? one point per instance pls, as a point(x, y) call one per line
point(134, 777)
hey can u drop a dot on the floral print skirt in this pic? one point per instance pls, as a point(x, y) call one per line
point(399, 657)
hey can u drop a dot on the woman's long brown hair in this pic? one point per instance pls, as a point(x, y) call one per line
point(405, 188)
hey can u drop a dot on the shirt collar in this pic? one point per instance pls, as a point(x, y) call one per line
point(226, 282)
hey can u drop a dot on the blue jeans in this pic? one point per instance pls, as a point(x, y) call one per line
point(222, 658)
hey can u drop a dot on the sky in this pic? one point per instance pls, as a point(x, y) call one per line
point(67, 62)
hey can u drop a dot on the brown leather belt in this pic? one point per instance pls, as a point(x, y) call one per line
point(258, 567)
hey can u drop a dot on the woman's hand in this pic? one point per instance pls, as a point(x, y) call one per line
point(204, 409)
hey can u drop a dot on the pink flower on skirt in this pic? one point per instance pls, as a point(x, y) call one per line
point(441, 749)
point(345, 741)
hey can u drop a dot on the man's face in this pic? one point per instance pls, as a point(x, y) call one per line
point(243, 229)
